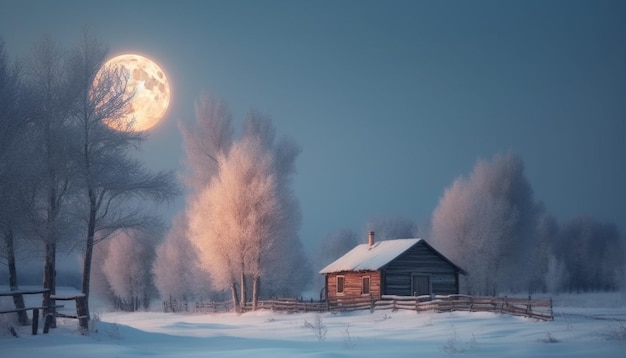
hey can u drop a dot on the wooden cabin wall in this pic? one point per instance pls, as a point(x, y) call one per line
point(419, 259)
point(353, 284)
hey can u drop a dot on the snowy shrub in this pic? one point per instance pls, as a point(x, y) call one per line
point(617, 332)
point(318, 327)
point(455, 345)
point(347, 341)
point(96, 326)
point(549, 338)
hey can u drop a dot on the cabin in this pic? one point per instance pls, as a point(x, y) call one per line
point(402, 267)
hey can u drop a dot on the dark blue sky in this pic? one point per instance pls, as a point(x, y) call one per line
point(390, 100)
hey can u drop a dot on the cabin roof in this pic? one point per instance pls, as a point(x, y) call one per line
point(366, 258)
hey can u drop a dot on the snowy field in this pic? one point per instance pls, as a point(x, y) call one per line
point(584, 326)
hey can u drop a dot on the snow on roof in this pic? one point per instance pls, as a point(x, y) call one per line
point(364, 258)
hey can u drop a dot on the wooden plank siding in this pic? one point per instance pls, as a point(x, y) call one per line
point(420, 259)
point(353, 284)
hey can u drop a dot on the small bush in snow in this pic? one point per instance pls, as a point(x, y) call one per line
point(617, 332)
point(347, 341)
point(318, 327)
point(455, 345)
point(549, 338)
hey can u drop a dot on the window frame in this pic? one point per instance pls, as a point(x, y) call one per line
point(343, 285)
point(369, 285)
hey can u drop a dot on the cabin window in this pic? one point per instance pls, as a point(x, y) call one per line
point(341, 280)
point(365, 285)
point(421, 285)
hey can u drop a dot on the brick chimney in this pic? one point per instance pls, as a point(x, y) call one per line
point(371, 239)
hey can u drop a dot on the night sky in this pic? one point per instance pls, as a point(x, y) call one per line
point(389, 100)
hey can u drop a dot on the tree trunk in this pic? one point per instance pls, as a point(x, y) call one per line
point(255, 292)
point(18, 300)
point(49, 280)
point(91, 229)
point(233, 291)
point(242, 301)
point(81, 313)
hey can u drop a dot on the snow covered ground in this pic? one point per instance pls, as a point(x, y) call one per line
point(584, 326)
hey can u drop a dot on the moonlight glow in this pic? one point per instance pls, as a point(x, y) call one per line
point(150, 87)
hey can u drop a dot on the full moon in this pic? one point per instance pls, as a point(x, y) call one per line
point(150, 87)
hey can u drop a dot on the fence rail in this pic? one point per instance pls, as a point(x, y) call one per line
point(527, 307)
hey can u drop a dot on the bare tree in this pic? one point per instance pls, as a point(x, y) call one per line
point(15, 148)
point(109, 179)
point(49, 97)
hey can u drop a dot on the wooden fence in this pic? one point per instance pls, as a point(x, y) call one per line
point(527, 307)
point(35, 309)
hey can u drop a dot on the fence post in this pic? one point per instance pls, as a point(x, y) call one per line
point(551, 311)
point(81, 313)
point(35, 321)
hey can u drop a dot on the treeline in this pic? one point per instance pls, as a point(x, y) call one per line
point(490, 224)
point(67, 180)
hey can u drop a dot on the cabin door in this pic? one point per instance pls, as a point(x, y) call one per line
point(420, 285)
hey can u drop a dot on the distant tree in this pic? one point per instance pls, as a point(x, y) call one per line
point(176, 269)
point(332, 247)
point(556, 275)
point(389, 227)
point(335, 245)
point(98, 283)
point(127, 268)
point(545, 272)
point(288, 271)
point(592, 253)
point(486, 224)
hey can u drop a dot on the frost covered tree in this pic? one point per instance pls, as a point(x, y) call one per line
point(130, 256)
point(236, 216)
point(176, 269)
point(486, 224)
point(244, 221)
point(204, 140)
